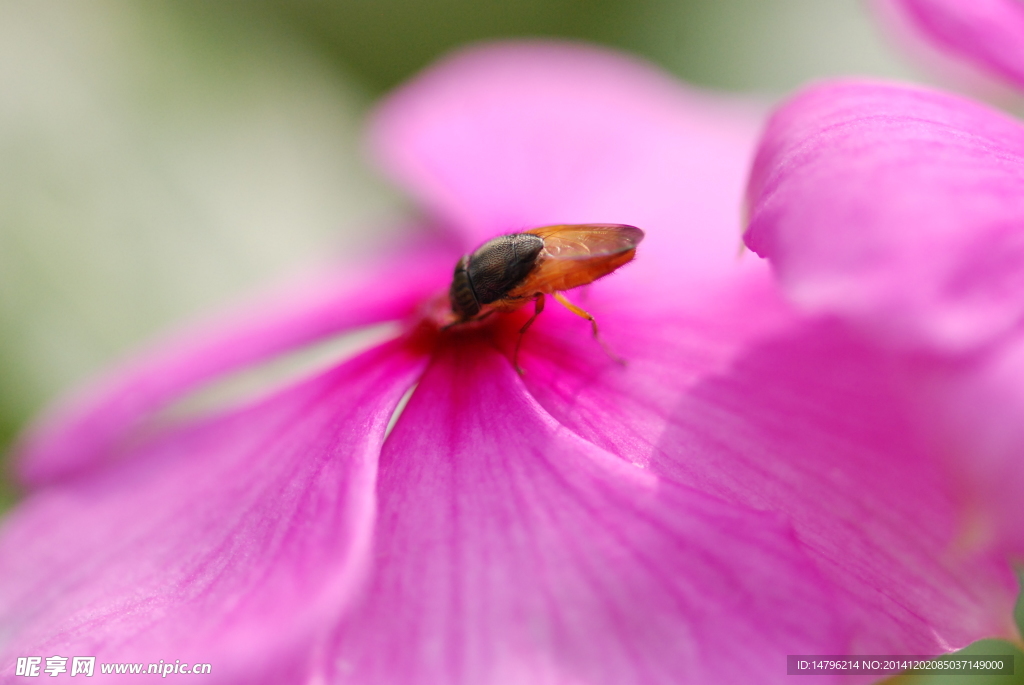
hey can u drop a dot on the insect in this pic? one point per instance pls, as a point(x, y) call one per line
point(509, 271)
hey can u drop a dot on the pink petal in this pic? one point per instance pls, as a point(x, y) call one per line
point(973, 408)
point(91, 427)
point(897, 207)
point(731, 394)
point(232, 542)
point(510, 550)
point(506, 137)
point(986, 33)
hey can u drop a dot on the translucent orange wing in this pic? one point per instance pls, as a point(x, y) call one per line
point(580, 242)
point(578, 254)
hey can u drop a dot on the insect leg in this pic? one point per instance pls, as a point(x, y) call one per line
point(579, 311)
point(538, 307)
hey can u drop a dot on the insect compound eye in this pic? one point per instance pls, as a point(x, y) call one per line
point(461, 295)
point(499, 265)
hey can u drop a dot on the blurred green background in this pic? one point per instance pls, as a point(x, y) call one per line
point(160, 159)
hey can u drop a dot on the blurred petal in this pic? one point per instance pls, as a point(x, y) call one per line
point(986, 33)
point(510, 550)
point(897, 207)
point(502, 138)
point(91, 428)
point(231, 542)
point(973, 407)
point(732, 394)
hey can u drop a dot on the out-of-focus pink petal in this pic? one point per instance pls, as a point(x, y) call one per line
point(510, 550)
point(986, 33)
point(231, 542)
point(91, 427)
point(898, 207)
point(973, 408)
point(507, 137)
point(733, 394)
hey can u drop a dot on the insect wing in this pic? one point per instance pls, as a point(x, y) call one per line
point(575, 255)
point(583, 242)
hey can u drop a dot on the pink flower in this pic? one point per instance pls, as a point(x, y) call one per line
point(901, 210)
point(987, 34)
point(751, 485)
